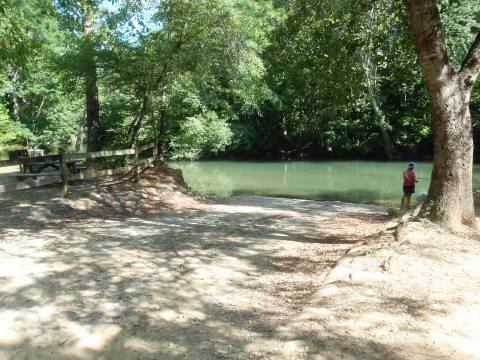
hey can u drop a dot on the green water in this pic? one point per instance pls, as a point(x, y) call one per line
point(351, 181)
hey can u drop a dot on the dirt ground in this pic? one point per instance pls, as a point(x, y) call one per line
point(108, 274)
point(414, 298)
point(118, 271)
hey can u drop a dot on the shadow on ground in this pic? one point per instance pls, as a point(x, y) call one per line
point(160, 190)
point(216, 282)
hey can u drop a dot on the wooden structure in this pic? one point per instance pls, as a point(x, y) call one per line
point(33, 166)
point(15, 154)
point(68, 169)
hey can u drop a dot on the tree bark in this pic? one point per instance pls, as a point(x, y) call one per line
point(39, 110)
point(79, 141)
point(370, 71)
point(137, 123)
point(14, 101)
point(450, 198)
point(380, 119)
point(162, 125)
point(95, 132)
point(450, 193)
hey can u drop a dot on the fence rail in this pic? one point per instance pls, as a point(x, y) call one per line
point(100, 154)
point(64, 175)
point(146, 147)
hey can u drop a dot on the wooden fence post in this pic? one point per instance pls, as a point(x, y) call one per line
point(64, 172)
point(137, 165)
point(155, 155)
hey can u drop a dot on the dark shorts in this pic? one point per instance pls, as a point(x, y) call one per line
point(409, 189)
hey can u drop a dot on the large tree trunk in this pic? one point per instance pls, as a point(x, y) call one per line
point(94, 129)
point(450, 198)
point(95, 133)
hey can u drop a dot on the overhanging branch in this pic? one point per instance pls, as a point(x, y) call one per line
point(427, 34)
point(471, 65)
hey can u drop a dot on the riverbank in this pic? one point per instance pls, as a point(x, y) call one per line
point(120, 271)
point(111, 197)
point(415, 296)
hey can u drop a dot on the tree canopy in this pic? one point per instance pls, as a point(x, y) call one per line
point(237, 78)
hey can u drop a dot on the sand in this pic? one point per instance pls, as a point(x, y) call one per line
point(87, 279)
point(153, 272)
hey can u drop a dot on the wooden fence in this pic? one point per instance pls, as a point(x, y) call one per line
point(64, 176)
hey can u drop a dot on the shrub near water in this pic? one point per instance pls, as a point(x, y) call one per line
point(200, 135)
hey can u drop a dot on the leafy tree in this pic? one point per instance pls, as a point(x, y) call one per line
point(198, 58)
point(270, 79)
point(30, 79)
point(450, 199)
point(79, 20)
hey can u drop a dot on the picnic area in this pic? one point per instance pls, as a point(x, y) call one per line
point(239, 179)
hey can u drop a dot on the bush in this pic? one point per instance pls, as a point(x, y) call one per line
point(201, 135)
point(12, 132)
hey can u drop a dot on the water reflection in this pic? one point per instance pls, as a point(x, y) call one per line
point(351, 181)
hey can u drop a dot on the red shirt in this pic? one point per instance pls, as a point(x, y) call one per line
point(409, 177)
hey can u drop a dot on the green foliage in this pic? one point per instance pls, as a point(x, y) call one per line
point(321, 59)
point(461, 22)
point(201, 135)
point(264, 78)
point(12, 132)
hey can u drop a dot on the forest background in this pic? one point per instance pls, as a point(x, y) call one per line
point(263, 79)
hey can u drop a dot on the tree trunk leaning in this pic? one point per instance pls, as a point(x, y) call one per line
point(370, 70)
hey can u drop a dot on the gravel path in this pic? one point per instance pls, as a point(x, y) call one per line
point(219, 281)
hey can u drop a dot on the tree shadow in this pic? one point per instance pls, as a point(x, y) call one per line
point(114, 197)
point(197, 284)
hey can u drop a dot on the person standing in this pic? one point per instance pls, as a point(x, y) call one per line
point(409, 180)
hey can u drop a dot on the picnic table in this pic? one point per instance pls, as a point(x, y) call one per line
point(32, 167)
point(37, 167)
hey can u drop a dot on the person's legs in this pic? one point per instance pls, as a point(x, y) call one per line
point(404, 198)
point(409, 195)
